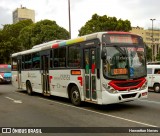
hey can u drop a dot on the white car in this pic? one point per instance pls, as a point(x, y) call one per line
point(153, 76)
point(1, 78)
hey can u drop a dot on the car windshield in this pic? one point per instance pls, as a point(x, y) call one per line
point(124, 62)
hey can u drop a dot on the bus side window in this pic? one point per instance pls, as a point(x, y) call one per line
point(60, 57)
point(51, 59)
point(74, 56)
point(36, 60)
point(55, 63)
point(28, 61)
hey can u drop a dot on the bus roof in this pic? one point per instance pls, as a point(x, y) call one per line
point(59, 43)
point(87, 37)
point(47, 43)
point(26, 52)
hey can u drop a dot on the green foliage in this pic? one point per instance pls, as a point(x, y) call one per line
point(9, 42)
point(149, 53)
point(24, 35)
point(104, 23)
point(41, 32)
point(158, 56)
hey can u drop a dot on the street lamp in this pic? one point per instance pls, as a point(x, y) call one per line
point(152, 40)
point(69, 15)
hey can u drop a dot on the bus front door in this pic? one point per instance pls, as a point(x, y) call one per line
point(45, 75)
point(90, 74)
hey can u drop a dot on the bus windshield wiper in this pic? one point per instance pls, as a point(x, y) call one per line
point(123, 52)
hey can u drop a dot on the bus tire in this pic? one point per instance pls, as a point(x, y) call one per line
point(157, 88)
point(29, 88)
point(75, 96)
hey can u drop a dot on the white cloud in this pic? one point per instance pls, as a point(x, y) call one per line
point(138, 12)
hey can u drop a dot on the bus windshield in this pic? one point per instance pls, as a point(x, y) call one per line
point(124, 61)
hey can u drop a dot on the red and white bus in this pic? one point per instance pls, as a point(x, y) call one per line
point(101, 68)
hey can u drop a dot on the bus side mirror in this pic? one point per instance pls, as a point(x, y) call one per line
point(104, 54)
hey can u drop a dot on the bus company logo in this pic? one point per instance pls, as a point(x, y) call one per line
point(6, 130)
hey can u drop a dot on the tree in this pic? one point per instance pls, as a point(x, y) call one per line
point(40, 32)
point(9, 42)
point(148, 53)
point(104, 23)
point(25, 34)
point(158, 56)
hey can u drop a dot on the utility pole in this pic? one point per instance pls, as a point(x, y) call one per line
point(152, 40)
point(69, 15)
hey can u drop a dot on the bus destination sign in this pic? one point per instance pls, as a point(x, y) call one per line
point(123, 39)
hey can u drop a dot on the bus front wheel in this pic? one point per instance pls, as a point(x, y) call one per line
point(29, 88)
point(75, 96)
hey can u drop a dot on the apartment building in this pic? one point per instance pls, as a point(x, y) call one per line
point(150, 37)
point(23, 13)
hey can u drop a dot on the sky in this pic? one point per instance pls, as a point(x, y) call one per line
point(138, 12)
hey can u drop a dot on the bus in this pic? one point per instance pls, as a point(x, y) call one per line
point(85, 69)
point(5, 73)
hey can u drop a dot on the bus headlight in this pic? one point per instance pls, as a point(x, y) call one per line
point(144, 86)
point(109, 88)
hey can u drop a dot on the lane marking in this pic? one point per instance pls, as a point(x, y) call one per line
point(117, 117)
point(15, 101)
point(121, 118)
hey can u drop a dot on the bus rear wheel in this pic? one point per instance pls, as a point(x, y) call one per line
point(29, 88)
point(75, 96)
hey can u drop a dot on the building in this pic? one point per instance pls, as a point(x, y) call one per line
point(22, 14)
point(152, 42)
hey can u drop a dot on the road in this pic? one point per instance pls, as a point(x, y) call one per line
point(21, 110)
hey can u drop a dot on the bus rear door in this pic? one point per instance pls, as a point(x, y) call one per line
point(19, 69)
point(45, 73)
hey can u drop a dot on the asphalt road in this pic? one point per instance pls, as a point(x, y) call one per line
point(17, 109)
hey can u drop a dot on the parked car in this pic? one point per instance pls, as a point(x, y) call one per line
point(5, 73)
point(153, 76)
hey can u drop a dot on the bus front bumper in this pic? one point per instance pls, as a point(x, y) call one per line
point(108, 98)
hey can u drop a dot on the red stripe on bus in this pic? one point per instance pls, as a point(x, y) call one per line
point(80, 80)
point(55, 45)
point(140, 82)
point(50, 78)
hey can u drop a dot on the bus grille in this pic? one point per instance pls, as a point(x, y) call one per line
point(127, 84)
